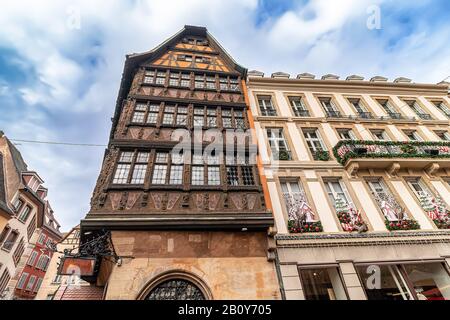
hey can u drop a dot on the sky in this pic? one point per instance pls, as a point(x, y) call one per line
point(61, 62)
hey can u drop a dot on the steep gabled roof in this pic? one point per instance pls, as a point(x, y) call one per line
point(3, 206)
point(132, 61)
point(18, 161)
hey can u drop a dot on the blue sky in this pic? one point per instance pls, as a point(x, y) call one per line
point(60, 64)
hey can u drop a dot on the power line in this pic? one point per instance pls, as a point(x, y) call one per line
point(60, 143)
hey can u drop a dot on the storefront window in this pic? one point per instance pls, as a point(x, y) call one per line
point(384, 282)
point(322, 284)
point(430, 281)
point(427, 281)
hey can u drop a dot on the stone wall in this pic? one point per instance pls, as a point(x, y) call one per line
point(231, 265)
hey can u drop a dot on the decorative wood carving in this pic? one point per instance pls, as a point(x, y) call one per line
point(251, 201)
point(185, 201)
point(173, 198)
point(115, 199)
point(131, 200)
point(144, 200)
point(214, 201)
point(123, 201)
point(157, 200)
point(103, 178)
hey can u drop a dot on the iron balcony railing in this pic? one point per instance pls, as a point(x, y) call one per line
point(301, 113)
point(268, 113)
point(333, 114)
point(395, 115)
point(425, 116)
point(365, 115)
point(353, 149)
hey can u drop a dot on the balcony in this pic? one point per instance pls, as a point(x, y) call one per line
point(333, 114)
point(425, 116)
point(269, 113)
point(395, 115)
point(301, 113)
point(392, 155)
point(365, 115)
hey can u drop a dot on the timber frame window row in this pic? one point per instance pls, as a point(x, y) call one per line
point(182, 115)
point(191, 80)
point(167, 168)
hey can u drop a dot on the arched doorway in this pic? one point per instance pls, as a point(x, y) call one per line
point(175, 289)
point(176, 285)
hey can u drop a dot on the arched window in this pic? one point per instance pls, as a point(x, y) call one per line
point(176, 289)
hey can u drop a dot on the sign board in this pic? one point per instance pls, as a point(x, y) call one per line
point(78, 266)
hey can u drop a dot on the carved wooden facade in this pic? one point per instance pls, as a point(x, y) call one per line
point(165, 90)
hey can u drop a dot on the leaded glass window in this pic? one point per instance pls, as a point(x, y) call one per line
point(176, 290)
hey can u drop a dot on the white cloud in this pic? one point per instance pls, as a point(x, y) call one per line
point(71, 99)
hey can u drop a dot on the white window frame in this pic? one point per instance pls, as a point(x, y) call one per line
point(415, 134)
point(330, 102)
point(350, 133)
point(358, 105)
point(265, 109)
point(297, 107)
point(333, 194)
point(445, 134)
point(385, 135)
point(307, 134)
point(442, 107)
point(272, 136)
point(419, 182)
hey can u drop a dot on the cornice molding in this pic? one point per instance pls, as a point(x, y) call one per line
point(342, 85)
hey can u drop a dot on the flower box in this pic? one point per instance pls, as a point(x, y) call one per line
point(402, 225)
point(295, 227)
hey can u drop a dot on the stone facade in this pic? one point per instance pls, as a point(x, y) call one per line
point(345, 209)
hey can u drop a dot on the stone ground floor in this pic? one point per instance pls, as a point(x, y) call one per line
point(197, 265)
point(385, 266)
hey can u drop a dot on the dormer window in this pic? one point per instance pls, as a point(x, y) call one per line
point(18, 204)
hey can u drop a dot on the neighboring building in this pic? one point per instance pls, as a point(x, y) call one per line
point(57, 287)
point(36, 258)
point(23, 195)
point(359, 179)
point(179, 225)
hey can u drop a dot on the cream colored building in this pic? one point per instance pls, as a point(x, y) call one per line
point(334, 201)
